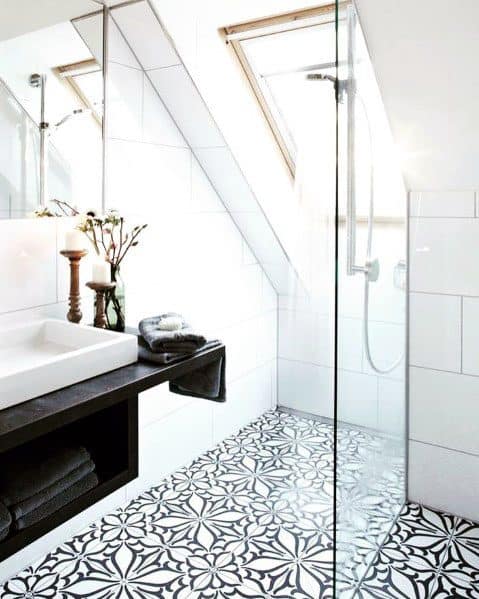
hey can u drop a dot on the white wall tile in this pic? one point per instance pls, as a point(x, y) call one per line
point(118, 50)
point(444, 409)
point(443, 255)
point(145, 36)
point(470, 335)
point(28, 263)
point(248, 398)
point(158, 126)
point(442, 203)
point(391, 407)
point(157, 403)
point(125, 99)
point(357, 399)
point(148, 179)
point(185, 104)
point(306, 387)
point(387, 344)
point(227, 178)
point(172, 442)
point(435, 331)
point(444, 480)
point(204, 196)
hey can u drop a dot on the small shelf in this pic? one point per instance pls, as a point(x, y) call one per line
point(102, 414)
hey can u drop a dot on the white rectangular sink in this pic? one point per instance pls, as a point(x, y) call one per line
point(46, 355)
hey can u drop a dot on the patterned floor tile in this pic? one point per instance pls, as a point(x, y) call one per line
point(253, 518)
point(397, 579)
point(281, 562)
point(451, 587)
point(461, 558)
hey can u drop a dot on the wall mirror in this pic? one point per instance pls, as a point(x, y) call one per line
point(51, 105)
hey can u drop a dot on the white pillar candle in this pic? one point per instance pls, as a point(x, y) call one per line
point(101, 272)
point(74, 241)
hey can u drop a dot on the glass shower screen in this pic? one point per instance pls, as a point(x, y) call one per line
point(370, 391)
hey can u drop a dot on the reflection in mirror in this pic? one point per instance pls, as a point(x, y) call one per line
point(51, 110)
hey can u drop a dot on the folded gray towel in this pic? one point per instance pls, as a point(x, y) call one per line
point(90, 481)
point(27, 471)
point(35, 501)
point(5, 521)
point(145, 353)
point(182, 341)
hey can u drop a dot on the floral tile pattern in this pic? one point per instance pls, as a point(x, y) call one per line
point(253, 518)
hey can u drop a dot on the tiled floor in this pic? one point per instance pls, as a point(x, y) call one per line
point(253, 518)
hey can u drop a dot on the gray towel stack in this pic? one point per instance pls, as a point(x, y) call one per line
point(165, 347)
point(39, 479)
point(5, 521)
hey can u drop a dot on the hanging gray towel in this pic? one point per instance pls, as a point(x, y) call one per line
point(87, 483)
point(208, 382)
point(5, 521)
point(181, 341)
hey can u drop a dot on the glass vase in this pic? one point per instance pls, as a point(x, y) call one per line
point(115, 302)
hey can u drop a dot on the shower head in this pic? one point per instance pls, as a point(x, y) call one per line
point(339, 84)
point(320, 77)
point(73, 114)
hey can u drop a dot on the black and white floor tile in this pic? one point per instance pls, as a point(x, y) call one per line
point(253, 518)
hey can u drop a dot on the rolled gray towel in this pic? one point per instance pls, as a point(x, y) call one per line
point(29, 470)
point(35, 501)
point(181, 341)
point(87, 483)
point(5, 521)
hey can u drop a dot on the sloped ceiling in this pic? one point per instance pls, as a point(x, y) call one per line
point(22, 16)
point(426, 59)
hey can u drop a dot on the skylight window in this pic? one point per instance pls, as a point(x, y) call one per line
point(276, 55)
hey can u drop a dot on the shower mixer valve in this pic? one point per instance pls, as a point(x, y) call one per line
point(372, 270)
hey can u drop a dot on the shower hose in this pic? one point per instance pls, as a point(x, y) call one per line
point(369, 262)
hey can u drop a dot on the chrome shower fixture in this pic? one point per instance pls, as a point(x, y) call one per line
point(340, 86)
point(74, 113)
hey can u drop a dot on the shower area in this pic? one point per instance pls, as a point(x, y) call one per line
point(342, 325)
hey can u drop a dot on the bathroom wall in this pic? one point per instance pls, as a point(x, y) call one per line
point(444, 350)
point(191, 259)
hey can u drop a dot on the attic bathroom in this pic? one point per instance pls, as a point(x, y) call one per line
point(238, 350)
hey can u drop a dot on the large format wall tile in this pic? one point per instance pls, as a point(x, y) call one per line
point(470, 335)
point(435, 331)
point(306, 387)
point(443, 254)
point(140, 26)
point(28, 263)
point(444, 409)
point(442, 203)
point(185, 104)
point(444, 479)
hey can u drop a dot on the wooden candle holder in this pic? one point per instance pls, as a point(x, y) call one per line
point(74, 314)
point(100, 289)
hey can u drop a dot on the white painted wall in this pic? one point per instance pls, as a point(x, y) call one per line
point(444, 350)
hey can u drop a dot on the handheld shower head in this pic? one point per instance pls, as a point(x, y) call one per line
point(75, 113)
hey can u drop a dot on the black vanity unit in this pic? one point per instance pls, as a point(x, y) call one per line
point(102, 413)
